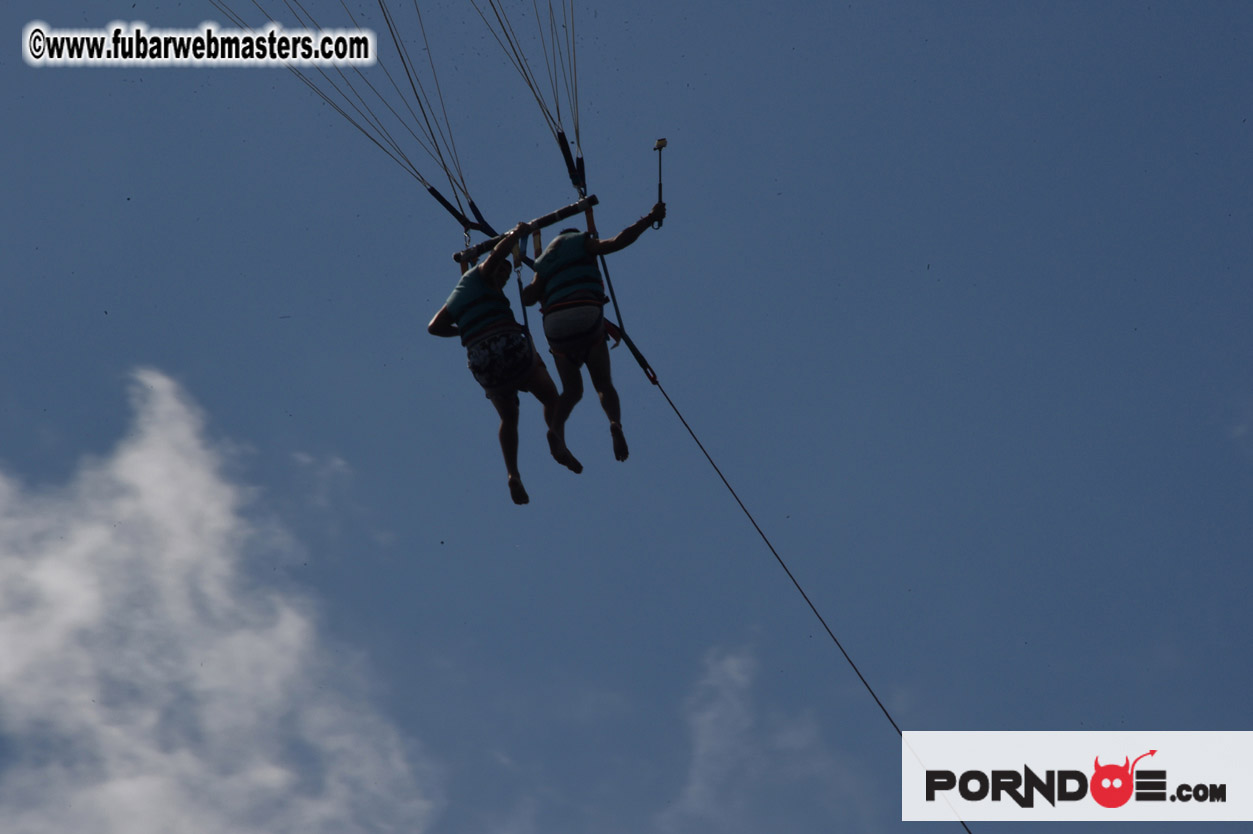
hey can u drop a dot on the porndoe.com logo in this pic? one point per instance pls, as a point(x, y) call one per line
point(1041, 776)
point(1110, 785)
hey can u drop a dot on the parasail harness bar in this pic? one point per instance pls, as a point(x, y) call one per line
point(470, 254)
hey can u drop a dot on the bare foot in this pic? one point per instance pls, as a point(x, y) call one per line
point(620, 450)
point(563, 455)
point(517, 491)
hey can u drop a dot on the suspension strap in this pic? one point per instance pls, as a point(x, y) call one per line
point(639, 357)
point(591, 222)
point(517, 272)
point(661, 143)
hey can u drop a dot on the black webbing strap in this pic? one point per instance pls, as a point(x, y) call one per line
point(639, 357)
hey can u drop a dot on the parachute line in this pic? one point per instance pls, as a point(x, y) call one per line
point(436, 135)
point(507, 38)
point(361, 103)
point(556, 35)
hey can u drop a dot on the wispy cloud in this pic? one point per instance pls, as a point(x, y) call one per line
point(720, 718)
point(755, 769)
point(146, 687)
point(324, 477)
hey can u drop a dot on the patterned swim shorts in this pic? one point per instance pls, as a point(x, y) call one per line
point(501, 361)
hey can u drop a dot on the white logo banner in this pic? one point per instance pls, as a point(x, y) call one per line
point(1089, 776)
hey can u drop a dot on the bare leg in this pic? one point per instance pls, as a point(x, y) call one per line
point(507, 408)
point(602, 380)
point(571, 389)
point(541, 385)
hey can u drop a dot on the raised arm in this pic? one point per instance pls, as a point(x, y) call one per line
point(502, 249)
point(628, 235)
point(443, 323)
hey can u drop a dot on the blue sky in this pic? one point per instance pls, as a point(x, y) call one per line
point(958, 296)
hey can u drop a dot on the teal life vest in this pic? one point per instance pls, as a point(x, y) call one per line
point(569, 273)
point(477, 307)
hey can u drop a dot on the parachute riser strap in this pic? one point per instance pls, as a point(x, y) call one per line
point(467, 225)
point(482, 225)
point(576, 170)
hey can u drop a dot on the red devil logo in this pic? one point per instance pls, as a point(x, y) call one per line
point(1111, 785)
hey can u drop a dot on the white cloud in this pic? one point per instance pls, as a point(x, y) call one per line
point(756, 770)
point(325, 477)
point(146, 688)
point(721, 722)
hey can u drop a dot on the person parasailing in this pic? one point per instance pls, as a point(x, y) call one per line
point(420, 114)
point(500, 355)
point(571, 293)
